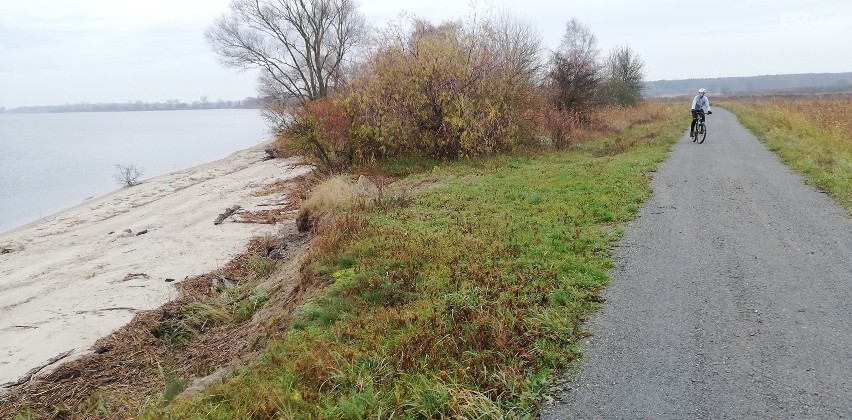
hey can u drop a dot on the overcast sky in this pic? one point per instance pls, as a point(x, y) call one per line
point(70, 51)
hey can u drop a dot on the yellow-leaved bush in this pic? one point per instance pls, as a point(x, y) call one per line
point(447, 91)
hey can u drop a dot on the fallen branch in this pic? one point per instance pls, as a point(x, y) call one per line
point(257, 222)
point(131, 276)
point(283, 203)
point(228, 212)
point(118, 308)
point(30, 373)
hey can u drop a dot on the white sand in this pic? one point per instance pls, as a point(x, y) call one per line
point(61, 285)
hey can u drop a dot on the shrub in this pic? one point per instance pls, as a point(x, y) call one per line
point(321, 132)
point(624, 74)
point(575, 74)
point(127, 175)
point(444, 91)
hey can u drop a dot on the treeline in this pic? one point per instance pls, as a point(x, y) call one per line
point(203, 103)
point(769, 84)
point(454, 89)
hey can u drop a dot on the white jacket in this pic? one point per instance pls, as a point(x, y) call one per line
point(701, 102)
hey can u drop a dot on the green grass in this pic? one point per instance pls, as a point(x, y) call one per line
point(463, 301)
point(823, 155)
point(231, 306)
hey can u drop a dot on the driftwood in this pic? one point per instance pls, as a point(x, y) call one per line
point(132, 276)
point(119, 308)
point(228, 212)
point(37, 369)
point(221, 283)
point(271, 153)
point(103, 349)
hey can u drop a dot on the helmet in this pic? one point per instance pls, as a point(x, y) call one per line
point(702, 90)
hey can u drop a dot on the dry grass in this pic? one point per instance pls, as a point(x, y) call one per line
point(337, 193)
point(831, 112)
point(335, 207)
point(616, 119)
point(340, 195)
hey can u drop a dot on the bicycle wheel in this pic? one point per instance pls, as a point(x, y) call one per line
point(701, 134)
point(694, 134)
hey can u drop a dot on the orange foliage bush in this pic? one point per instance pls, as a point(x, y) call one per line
point(449, 91)
point(321, 130)
point(440, 91)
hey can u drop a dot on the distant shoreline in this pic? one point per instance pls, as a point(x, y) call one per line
point(171, 105)
point(117, 110)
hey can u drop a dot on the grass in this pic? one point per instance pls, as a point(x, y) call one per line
point(462, 300)
point(174, 384)
point(232, 306)
point(811, 136)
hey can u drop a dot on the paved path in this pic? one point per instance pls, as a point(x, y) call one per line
point(731, 299)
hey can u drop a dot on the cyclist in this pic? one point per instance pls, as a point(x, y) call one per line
point(700, 105)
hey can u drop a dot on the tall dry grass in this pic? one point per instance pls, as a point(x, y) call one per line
point(614, 119)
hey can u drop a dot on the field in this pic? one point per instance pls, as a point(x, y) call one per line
point(811, 134)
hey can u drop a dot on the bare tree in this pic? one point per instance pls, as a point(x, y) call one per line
point(298, 45)
point(624, 75)
point(575, 72)
point(127, 175)
point(516, 46)
point(579, 42)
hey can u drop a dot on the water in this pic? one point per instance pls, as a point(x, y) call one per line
point(50, 162)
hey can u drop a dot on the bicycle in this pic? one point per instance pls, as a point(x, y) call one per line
point(700, 130)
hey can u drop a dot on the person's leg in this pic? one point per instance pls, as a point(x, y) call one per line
point(694, 120)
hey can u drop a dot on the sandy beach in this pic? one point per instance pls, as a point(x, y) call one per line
point(71, 278)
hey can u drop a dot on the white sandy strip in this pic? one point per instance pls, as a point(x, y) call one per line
point(62, 282)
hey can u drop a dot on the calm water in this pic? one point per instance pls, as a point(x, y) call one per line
point(50, 162)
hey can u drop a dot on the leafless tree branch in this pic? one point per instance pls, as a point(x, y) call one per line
point(298, 45)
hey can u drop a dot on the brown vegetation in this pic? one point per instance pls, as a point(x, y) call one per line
point(446, 91)
point(460, 90)
point(830, 111)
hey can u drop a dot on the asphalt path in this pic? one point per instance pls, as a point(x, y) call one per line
point(731, 297)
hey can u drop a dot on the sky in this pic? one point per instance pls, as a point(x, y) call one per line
point(54, 52)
